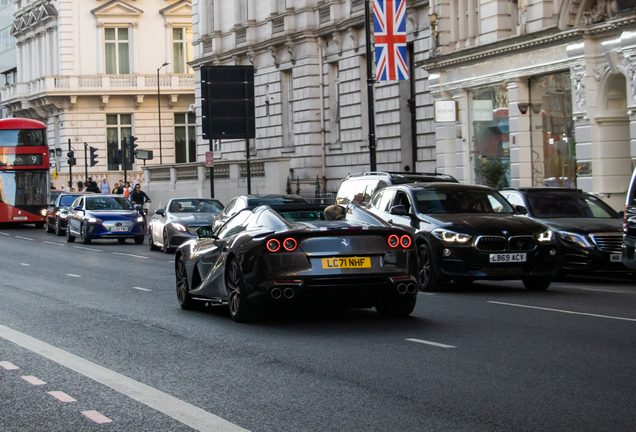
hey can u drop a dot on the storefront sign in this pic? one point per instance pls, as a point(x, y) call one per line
point(482, 110)
point(445, 111)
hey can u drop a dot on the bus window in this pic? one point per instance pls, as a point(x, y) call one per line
point(22, 138)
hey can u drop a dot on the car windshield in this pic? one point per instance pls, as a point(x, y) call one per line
point(256, 202)
point(107, 203)
point(302, 215)
point(196, 205)
point(551, 205)
point(469, 200)
point(67, 200)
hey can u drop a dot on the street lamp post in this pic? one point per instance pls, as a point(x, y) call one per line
point(159, 110)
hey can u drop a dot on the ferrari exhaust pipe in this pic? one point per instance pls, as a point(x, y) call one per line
point(288, 293)
point(411, 288)
point(276, 293)
point(401, 289)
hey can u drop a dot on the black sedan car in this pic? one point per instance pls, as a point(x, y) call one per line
point(170, 227)
point(57, 212)
point(588, 231)
point(100, 216)
point(464, 233)
point(264, 257)
point(252, 201)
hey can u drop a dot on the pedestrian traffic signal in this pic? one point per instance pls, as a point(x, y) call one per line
point(71, 158)
point(93, 156)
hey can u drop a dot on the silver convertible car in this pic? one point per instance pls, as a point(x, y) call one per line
point(172, 226)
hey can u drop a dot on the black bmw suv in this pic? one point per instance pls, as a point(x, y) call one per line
point(464, 233)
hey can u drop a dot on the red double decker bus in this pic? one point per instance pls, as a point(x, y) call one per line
point(24, 171)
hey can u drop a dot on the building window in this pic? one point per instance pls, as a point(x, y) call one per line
point(182, 52)
point(490, 134)
point(185, 139)
point(334, 102)
point(117, 51)
point(118, 127)
point(7, 41)
point(287, 90)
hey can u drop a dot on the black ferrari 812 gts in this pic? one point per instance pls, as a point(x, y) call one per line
point(287, 255)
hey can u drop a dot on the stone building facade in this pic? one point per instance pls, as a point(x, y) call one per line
point(546, 86)
point(311, 95)
point(91, 71)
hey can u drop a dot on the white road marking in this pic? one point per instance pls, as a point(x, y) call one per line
point(130, 255)
point(141, 289)
point(564, 311)
point(33, 380)
point(72, 275)
point(171, 262)
point(594, 289)
point(179, 410)
point(425, 293)
point(25, 264)
point(89, 249)
point(24, 238)
point(5, 234)
point(61, 396)
point(8, 366)
point(56, 244)
point(431, 343)
point(96, 417)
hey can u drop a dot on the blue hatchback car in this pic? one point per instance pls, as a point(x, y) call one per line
point(94, 217)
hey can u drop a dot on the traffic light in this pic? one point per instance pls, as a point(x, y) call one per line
point(93, 156)
point(131, 148)
point(71, 158)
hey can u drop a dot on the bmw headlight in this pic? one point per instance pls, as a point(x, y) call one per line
point(179, 227)
point(576, 239)
point(451, 237)
point(140, 219)
point(545, 237)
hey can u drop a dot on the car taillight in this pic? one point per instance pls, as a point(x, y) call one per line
point(273, 245)
point(405, 241)
point(394, 241)
point(290, 244)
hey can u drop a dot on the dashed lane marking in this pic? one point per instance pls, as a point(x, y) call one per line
point(25, 264)
point(97, 417)
point(52, 243)
point(88, 249)
point(72, 275)
point(61, 396)
point(33, 380)
point(431, 343)
point(428, 294)
point(574, 287)
point(130, 255)
point(179, 410)
point(171, 262)
point(564, 311)
point(24, 238)
point(141, 289)
point(5, 234)
point(8, 366)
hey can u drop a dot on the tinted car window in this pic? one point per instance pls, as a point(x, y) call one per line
point(195, 206)
point(387, 200)
point(302, 215)
point(234, 225)
point(107, 203)
point(255, 202)
point(66, 200)
point(568, 206)
point(432, 201)
point(230, 206)
point(402, 198)
point(514, 199)
point(375, 203)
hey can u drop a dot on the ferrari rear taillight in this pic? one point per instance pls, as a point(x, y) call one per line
point(290, 244)
point(405, 241)
point(394, 241)
point(273, 245)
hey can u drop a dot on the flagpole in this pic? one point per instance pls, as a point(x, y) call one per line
point(370, 61)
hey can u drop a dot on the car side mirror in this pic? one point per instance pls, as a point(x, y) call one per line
point(399, 210)
point(521, 209)
point(160, 212)
point(205, 232)
point(79, 208)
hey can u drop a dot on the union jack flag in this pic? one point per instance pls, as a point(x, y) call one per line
point(390, 40)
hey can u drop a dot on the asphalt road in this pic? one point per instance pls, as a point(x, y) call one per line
point(100, 323)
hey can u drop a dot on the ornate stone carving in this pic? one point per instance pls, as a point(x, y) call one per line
point(291, 49)
point(274, 53)
point(353, 34)
point(578, 88)
point(598, 13)
point(599, 71)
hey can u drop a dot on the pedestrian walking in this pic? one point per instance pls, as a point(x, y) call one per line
point(104, 186)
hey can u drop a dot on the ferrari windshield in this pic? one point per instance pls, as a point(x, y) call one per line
point(460, 200)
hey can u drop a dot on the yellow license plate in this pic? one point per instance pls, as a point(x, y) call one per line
point(349, 262)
